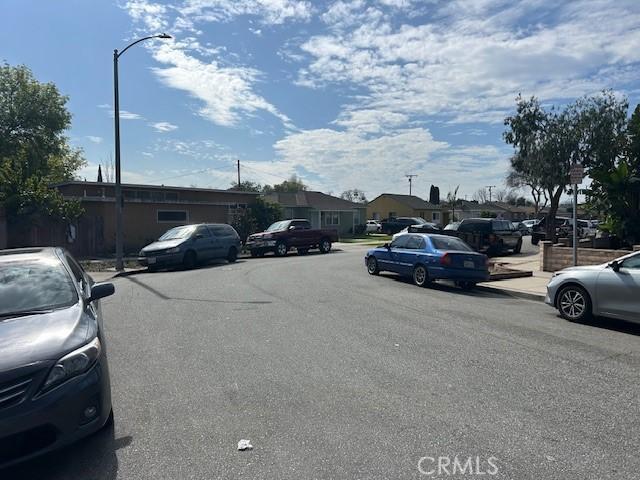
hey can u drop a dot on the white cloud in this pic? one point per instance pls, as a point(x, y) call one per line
point(163, 127)
point(226, 92)
point(475, 56)
point(124, 114)
point(269, 11)
point(94, 139)
point(152, 15)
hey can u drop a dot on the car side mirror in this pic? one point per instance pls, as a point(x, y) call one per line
point(101, 290)
point(292, 227)
point(198, 235)
point(387, 246)
point(615, 266)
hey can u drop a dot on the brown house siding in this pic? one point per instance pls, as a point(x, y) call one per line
point(95, 229)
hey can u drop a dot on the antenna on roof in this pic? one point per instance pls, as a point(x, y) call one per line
point(410, 177)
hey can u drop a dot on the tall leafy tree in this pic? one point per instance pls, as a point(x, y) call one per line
point(615, 188)
point(354, 195)
point(34, 151)
point(546, 145)
point(292, 185)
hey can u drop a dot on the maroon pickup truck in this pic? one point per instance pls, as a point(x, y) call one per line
point(283, 235)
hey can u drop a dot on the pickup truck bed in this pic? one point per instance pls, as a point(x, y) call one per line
point(280, 237)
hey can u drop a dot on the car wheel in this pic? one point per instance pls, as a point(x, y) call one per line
point(518, 248)
point(466, 285)
point(372, 266)
point(574, 303)
point(281, 249)
point(190, 260)
point(303, 251)
point(232, 256)
point(534, 240)
point(325, 245)
point(420, 276)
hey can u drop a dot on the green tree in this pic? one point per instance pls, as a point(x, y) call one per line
point(34, 151)
point(354, 195)
point(614, 192)
point(293, 185)
point(246, 186)
point(256, 217)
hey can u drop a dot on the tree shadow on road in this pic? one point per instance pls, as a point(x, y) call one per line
point(92, 458)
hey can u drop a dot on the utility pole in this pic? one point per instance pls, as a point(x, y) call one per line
point(238, 174)
point(410, 177)
point(490, 187)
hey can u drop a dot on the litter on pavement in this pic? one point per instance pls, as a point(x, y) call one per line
point(244, 445)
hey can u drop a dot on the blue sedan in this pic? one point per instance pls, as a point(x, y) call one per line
point(427, 257)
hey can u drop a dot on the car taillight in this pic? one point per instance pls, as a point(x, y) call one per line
point(445, 260)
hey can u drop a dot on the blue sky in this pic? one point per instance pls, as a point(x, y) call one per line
point(344, 94)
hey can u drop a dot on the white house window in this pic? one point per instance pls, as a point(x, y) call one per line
point(172, 216)
point(435, 216)
point(330, 218)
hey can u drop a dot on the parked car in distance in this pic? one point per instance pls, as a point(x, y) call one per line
point(609, 290)
point(281, 236)
point(522, 228)
point(488, 235)
point(428, 257)
point(452, 226)
point(539, 230)
point(373, 226)
point(394, 225)
point(531, 223)
point(189, 245)
point(54, 377)
point(420, 228)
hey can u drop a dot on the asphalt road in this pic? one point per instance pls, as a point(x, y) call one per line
point(332, 373)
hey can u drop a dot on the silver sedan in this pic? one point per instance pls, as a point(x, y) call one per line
point(609, 290)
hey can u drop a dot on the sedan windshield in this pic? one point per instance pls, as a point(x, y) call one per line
point(178, 232)
point(34, 285)
point(274, 227)
point(450, 243)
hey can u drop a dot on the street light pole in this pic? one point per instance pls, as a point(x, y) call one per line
point(116, 124)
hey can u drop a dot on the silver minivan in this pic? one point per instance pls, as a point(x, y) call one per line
point(188, 245)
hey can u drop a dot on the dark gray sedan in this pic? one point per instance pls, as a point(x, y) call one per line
point(189, 245)
point(609, 290)
point(54, 378)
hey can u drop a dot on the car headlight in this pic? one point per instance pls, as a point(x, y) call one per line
point(173, 250)
point(267, 236)
point(73, 364)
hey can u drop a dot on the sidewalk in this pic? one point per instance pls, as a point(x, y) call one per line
point(531, 288)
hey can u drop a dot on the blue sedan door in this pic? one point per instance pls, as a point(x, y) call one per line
point(399, 256)
point(408, 256)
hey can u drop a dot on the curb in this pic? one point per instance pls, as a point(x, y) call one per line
point(539, 297)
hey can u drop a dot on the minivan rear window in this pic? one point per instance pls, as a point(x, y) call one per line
point(36, 284)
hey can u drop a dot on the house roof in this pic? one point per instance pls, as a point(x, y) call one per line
point(411, 201)
point(151, 187)
point(316, 200)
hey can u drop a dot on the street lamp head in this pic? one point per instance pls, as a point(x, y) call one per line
point(164, 35)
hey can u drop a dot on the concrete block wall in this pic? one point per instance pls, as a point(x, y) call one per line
point(554, 257)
